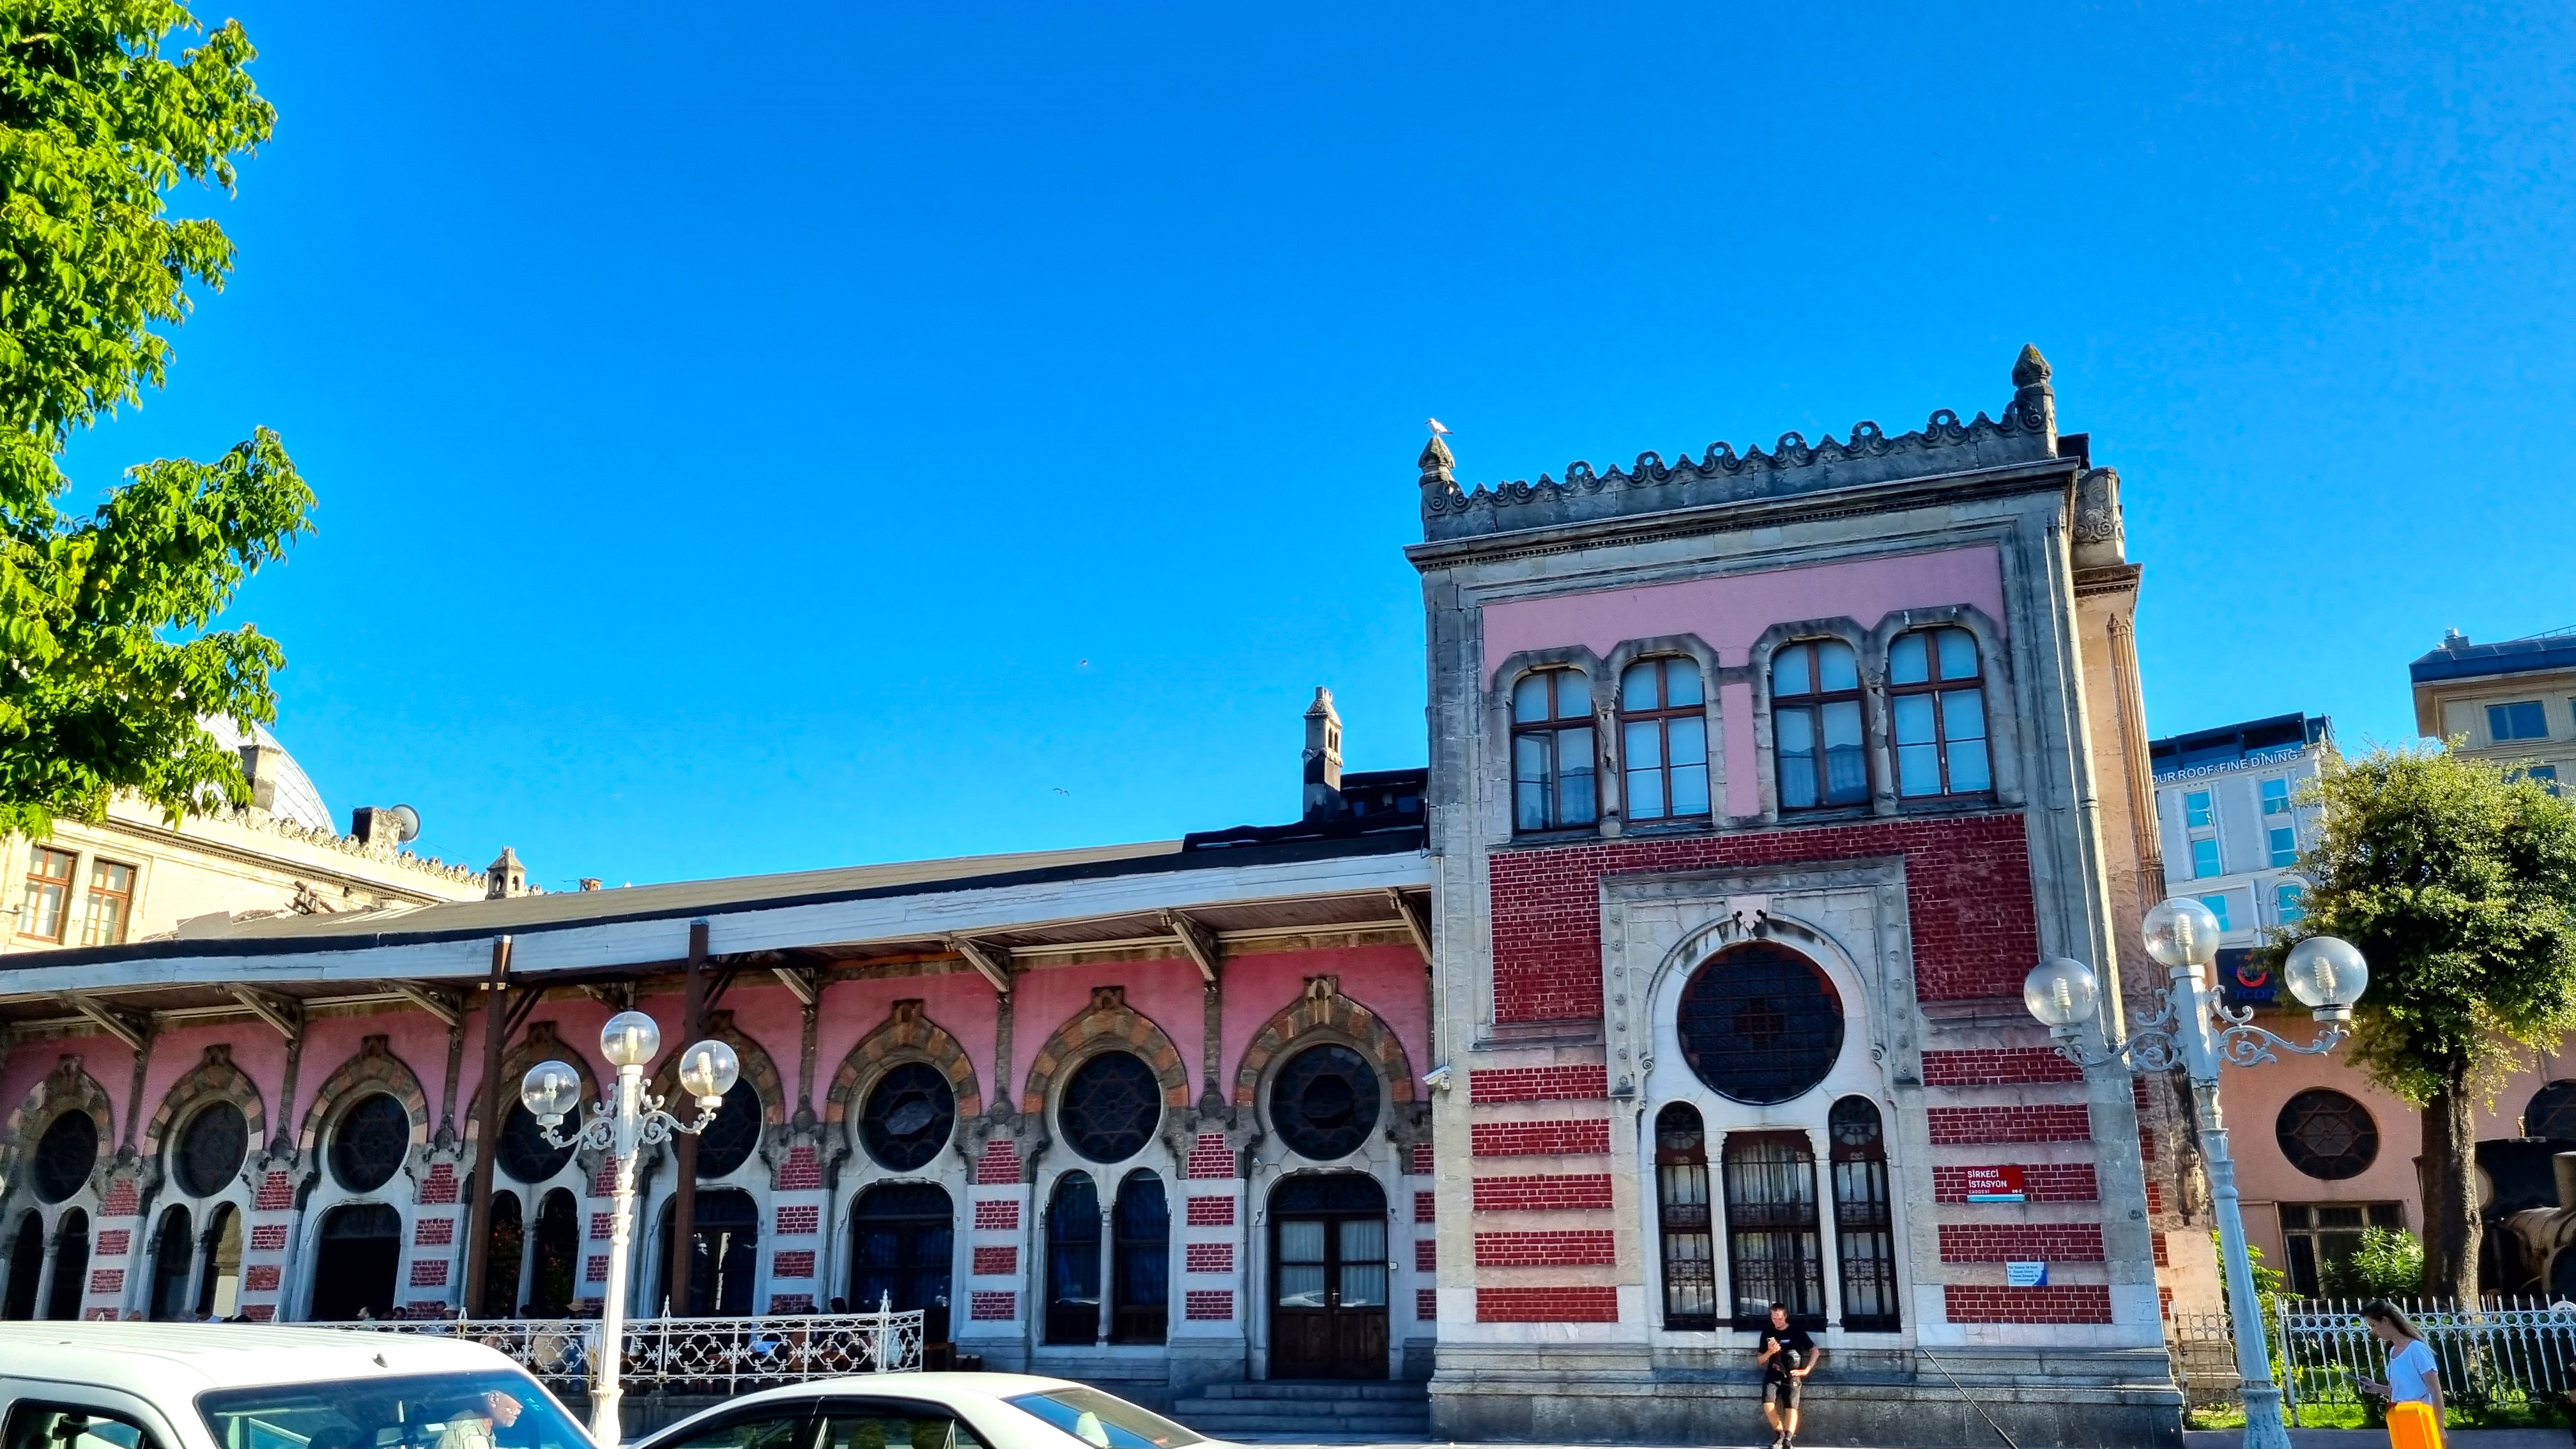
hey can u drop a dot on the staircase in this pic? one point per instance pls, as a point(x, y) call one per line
point(1310, 1411)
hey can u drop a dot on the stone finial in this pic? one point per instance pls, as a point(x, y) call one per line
point(2097, 533)
point(505, 877)
point(1323, 757)
point(2033, 399)
point(2030, 369)
point(1436, 461)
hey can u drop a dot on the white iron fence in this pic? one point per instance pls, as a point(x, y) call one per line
point(2506, 1352)
point(689, 1355)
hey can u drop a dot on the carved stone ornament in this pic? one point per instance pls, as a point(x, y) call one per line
point(2097, 507)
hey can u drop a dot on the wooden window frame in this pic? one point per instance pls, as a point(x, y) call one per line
point(1548, 733)
point(1807, 1231)
point(1681, 1169)
point(1661, 718)
point(37, 881)
point(96, 893)
point(1934, 685)
point(1864, 1218)
point(1814, 703)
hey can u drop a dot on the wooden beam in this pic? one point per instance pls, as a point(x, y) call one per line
point(499, 1019)
point(803, 984)
point(1415, 921)
point(1196, 940)
point(285, 1017)
point(125, 1026)
point(437, 1003)
point(992, 961)
point(684, 1145)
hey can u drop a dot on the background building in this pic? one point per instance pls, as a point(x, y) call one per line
point(2510, 701)
point(2227, 807)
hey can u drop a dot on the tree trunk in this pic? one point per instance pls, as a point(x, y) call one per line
point(2451, 1226)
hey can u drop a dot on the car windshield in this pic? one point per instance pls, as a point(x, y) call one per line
point(498, 1409)
point(1105, 1421)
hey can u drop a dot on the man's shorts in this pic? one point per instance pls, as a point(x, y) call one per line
point(1782, 1392)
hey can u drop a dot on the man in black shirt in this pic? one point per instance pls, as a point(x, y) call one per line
point(1788, 1356)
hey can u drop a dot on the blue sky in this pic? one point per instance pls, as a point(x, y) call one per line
point(762, 437)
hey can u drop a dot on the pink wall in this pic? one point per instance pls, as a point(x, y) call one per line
point(959, 1002)
point(1731, 611)
point(1168, 992)
point(1388, 980)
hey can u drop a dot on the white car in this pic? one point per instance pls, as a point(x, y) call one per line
point(926, 1411)
point(248, 1386)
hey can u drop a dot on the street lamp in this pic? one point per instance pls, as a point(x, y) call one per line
point(2193, 1029)
point(628, 1120)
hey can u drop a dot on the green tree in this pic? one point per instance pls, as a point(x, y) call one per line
point(107, 660)
point(2457, 880)
point(2388, 1263)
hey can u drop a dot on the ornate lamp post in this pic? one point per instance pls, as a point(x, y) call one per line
point(2194, 1030)
point(628, 1120)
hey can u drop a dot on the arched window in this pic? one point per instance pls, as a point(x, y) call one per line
point(526, 1154)
point(724, 1255)
point(903, 1238)
point(1073, 1261)
point(1815, 725)
point(71, 1266)
point(370, 1143)
point(1111, 1106)
point(2552, 1112)
point(1324, 1102)
point(1142, 1283)
point(498, 1294)
point(1936, 706)
point(2327, 1135)
point(1663, 739)
point(909, 1114)
point(360, 1251)
point(65, 1156)
point(172, 1248)
point(1864, 1229)
point(728, 1141)
point(219, 1282)
point(1552, 750)
point(211, 1149)
point(26, 1266)
point(558, 1255)
point(1681, 1210)
point(1774, 1250)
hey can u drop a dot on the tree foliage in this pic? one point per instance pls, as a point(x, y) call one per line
point(110, 660)
point(2388, 1263)
point(2457, 880)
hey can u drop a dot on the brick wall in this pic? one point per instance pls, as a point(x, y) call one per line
point(796, 1222)
point(2055, 1303)
point(433, 1232)
point(993, 1305)
point(1967, 888)
point(276, 1194)
point(997, 1214)
point(261, 1277)
point(1211, 1212)
point(1426, 1207)
point(1426, 1255)
point(122, 1199)
point(803, 1172)
point(1539, 1084)
point(1527, 1139)
point(1209, 1157)
point(429, 1273)
point(999, 1262)
point(441, 1187)
point(1426, 1304)
point(1547, 1305)
point(1207, 1257)
point(1000, 1164)
point(2021, 1242)
point(113, 1242)
point(2062, 1123)
point(1208, 1305)
point(793, 1263)
point(2041, 1182)
point(268, 1238)
point(1542, 1194)
point(1997, 1067)
point(1543, 1250)
point(1421, 1162)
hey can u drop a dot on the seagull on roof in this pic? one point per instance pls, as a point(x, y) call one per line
point(1437, 430)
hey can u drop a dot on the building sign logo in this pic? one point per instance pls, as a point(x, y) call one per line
point(1995, 1184)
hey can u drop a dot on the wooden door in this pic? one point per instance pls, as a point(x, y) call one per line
point(1328, 1314)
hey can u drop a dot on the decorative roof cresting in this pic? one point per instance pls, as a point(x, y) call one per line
point(2027, 432)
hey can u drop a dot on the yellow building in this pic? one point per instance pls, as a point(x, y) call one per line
point(136, 877)
point(2510, 701)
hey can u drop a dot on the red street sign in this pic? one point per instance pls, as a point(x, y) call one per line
point(1994, 1184)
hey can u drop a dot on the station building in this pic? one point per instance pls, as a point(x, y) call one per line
point(1685, 980)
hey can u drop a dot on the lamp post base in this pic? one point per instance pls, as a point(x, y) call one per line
point(2263, 1426)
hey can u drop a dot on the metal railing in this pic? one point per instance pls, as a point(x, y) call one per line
point(688, 1355)
point(2506, 1353)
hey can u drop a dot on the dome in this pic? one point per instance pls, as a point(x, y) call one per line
point(296, 798)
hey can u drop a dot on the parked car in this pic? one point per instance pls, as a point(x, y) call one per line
point(247, 1386)
point(927, 1411)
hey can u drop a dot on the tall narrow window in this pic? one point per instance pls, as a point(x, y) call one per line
point(1681, 1209)
point(1936, 705)
point(1552, 750)
point(2276, 797)
point(1073, 1261)
point(1815, 725)
point(1143, 1277)
point(2284, 843)
point(1663, 739)
point(110, 903)
point(2195, 810)
point(2290, 904)
point(1864, 1231)
point(2204, 859)
point(2218, 907)
point(49, 892)
point(1774, 1246)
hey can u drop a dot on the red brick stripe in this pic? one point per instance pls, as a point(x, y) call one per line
point(1547, 1305)
point(1542, 1194)
point(2011, 1124)
point(2041, 1181)
point(2021, 1242)
point(1532, 1139)
point(1997, 1067)
point(999, 1262)
point(1539, 1084)
point(1211, 1212)
point(2056, 1303)
point(1544, 1250)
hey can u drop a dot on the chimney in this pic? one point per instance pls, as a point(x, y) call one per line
point(2451, 639)
point(1323, 757)
point(590, 882)
point(375, 826)
point(260, 762)
point(505, 877)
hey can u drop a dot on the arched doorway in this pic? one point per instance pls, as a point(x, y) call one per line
point(361, 1249)
point(219, 1286)
point(903, 1238)
point(497, 1296)
point(71, 1266)
point(26, 1266)
point(724, 1256)
point(1328, 1315)
point(172, 1249)
point(1141, 1276)
point(1073, 1261)
point(551, 1275)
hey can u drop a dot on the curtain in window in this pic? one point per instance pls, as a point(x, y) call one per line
point(1681, 1209)
point(1774, 1248)
point(1864, 1229)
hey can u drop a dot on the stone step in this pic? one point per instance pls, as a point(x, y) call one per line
point(1319, 1389)
point(1415, 1427)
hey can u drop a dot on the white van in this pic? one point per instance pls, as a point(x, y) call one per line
point(245, 1386)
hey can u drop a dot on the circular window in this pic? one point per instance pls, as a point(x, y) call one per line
point(910, 1113)
point(1760, 1023)
point(1111, 1106)
point(728, 1140)
point(2327, 1135)
point(525, 1152)
point(2552, 1113)
point(212, 1149)
point(1324, 1102)
point(370, 1144)
point(65, 1155)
